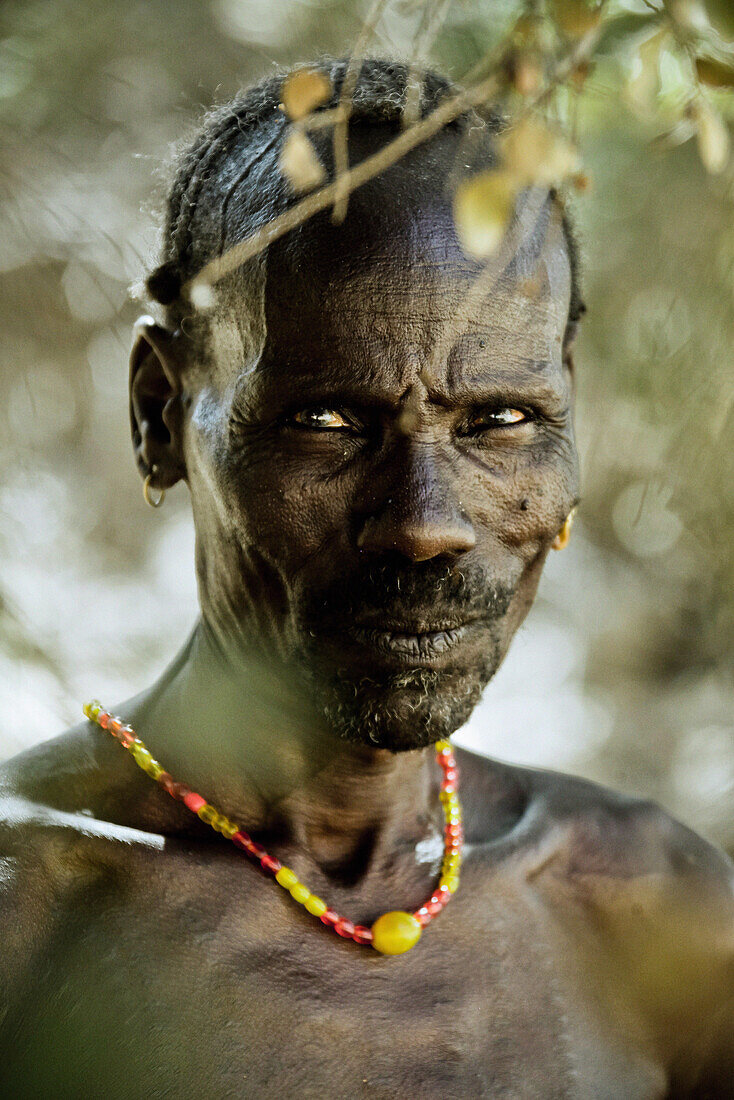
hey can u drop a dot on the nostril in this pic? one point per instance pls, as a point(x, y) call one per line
point(418, 541)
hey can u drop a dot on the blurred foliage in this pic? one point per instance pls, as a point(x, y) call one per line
point(96, 591)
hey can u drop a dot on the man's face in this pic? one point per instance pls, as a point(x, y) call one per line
point(374, 497)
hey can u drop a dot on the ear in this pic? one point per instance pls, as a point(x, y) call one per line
point(156, 405)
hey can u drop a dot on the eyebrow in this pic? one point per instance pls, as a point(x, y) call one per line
point(307, 389)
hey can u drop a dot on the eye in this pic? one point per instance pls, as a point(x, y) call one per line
point(321, 420)
point(496, 418)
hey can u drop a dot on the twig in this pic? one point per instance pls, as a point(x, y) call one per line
point(445, 113)
point(344, 110)
point(431, 20)
point(353, 178)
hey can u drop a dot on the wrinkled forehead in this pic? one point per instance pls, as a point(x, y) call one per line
point(392, 283)
point(395, 274)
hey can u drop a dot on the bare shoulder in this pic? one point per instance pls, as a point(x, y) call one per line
point(594, 832)
point(643, 902)
point(60, 830)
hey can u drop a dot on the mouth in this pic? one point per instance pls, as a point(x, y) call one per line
point(410, 644)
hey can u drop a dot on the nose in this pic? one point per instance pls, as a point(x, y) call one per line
point(421, 516)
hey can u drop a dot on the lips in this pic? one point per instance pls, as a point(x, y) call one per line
point(420, 646)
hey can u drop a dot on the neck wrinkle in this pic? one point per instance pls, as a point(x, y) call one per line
point(245, 738)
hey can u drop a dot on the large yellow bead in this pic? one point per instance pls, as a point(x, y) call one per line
point(396, 932)
point(315, 905)
point(299, 892)
point(286, 878)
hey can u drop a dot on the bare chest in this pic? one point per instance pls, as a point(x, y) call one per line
point(208, 980)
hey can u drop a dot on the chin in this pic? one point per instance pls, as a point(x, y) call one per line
point(404, 711)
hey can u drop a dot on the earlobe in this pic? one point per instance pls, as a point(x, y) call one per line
point(156, 410)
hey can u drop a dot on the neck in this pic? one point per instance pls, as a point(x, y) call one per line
point(244, 735)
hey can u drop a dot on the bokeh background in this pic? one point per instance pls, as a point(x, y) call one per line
point(624, 671)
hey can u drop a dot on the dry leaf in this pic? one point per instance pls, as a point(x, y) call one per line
point(714, 73)
point(690, 15)
point(582, 182)
point(299, 162)
point(303, 91)
point(643, 86)
point(526, 30)
point(524, 71)
point(483, 207)
point(534, 154)
point(714, 144)
point(576, 17)
point(721, 17)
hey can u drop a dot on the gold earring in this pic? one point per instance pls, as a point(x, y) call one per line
point(154, 502)
point(560, 542)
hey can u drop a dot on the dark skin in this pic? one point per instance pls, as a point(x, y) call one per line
point(590, 948)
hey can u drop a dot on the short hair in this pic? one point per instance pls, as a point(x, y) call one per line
point(234, 156)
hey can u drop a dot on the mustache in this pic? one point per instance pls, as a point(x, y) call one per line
point(399, 591)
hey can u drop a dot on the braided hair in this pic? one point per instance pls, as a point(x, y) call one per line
point(235, 155)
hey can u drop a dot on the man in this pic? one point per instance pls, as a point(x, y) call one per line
point(379, 447)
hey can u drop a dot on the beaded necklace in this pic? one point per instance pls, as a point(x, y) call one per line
point(391, 934)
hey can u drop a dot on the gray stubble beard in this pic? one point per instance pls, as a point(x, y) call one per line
point(409, 710)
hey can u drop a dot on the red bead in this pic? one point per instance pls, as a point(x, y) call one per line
point(194, 801)
point(242, 840)
point(166, 781)
point(433, 907)
point(451, 774)
point(180, 790)
point(450, 788)
point(361, 934)
point(127, 736)
point(329, 917)
point(104, 718)
point(422, 915)
point(114, 726)
point(270, 864)
point(455, 832)
point(344, 928)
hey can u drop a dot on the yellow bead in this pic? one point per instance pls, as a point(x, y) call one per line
point(286, 877)
point(95, 710)
point(229, 828)
point(315, 905)
point(153, 768)
point(207, 813)
point(451, 882)
point(141, 755)
point(441, 746)
point(299, 892)
point(396, 932)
